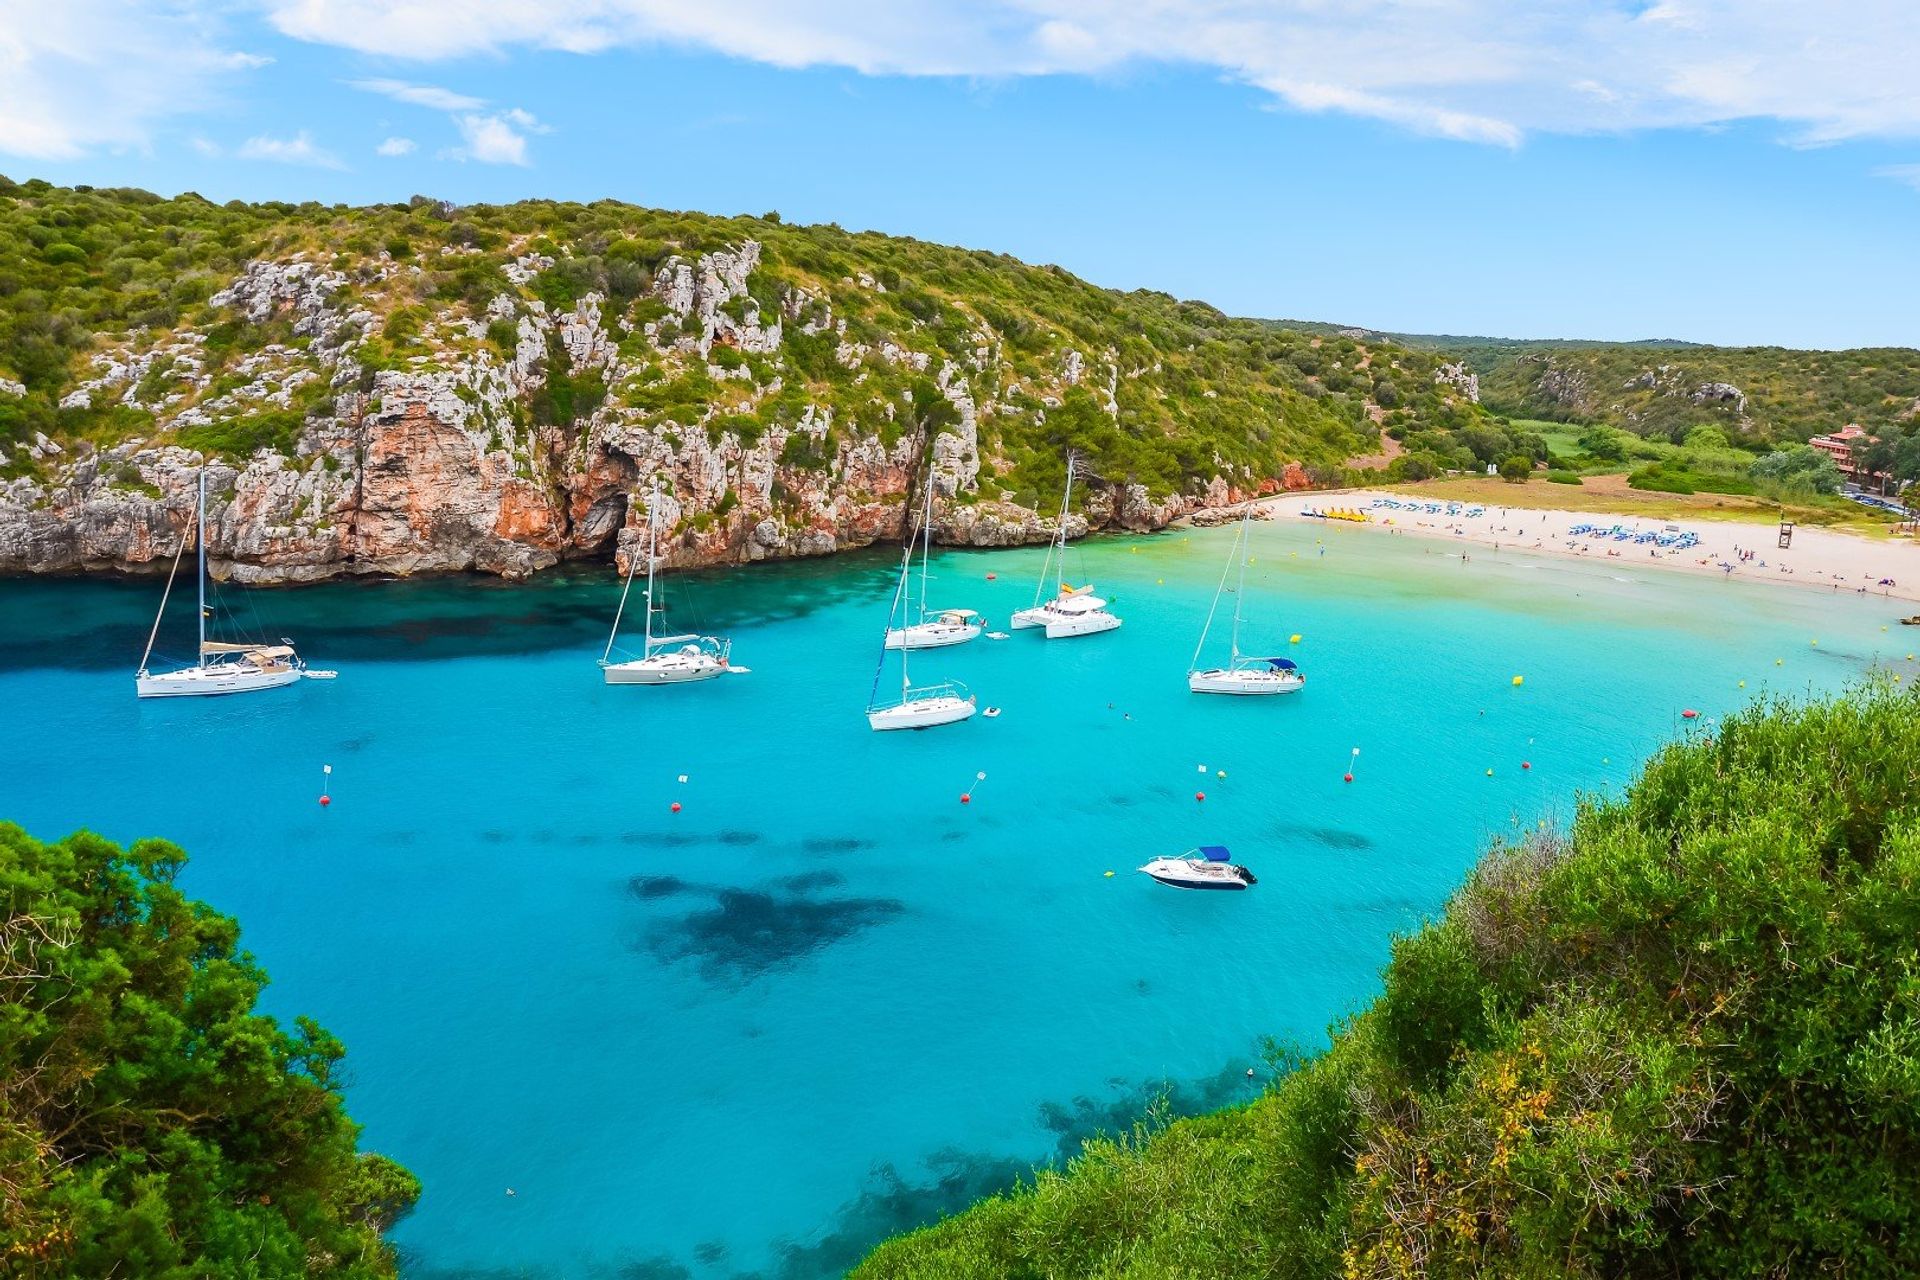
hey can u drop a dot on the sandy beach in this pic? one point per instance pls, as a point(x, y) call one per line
point(1819, 559)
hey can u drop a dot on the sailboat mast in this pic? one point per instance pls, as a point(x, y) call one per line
point(1066, 504)
point(625, 589)
point(926, 543)
point(201, 538)
point(1241, 589)
point(1212, 609)
point(653, 541)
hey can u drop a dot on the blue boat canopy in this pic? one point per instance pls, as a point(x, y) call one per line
point(1215, 853)
point(1282, 664)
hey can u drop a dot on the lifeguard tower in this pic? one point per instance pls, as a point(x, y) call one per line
point(1786, 533)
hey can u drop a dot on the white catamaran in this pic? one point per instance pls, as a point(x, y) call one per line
point(1243, 675)
point(1072, 611)
point(663, 659)
point(937, 628)
point(929, 705)
point(223, 667)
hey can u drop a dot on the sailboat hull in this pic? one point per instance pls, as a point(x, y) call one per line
point(209, 682)
point(931, 635)
point(921, 713)
point(1246, 684)
point(663, 669)
point(1062, 626)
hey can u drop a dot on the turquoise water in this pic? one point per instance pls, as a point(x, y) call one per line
point(826, 1000)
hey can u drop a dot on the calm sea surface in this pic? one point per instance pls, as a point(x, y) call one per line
point(827, 1001)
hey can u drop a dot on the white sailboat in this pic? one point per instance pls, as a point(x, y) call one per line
point(679, 659)
point(917, 708)
point(1071, 611)
point(937, 628)
point(1243, 675)
point(223, 667)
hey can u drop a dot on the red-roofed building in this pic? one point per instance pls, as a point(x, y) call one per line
point(1839, 446)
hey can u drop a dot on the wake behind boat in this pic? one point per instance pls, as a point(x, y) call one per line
point(224, 666)
point(1244, 675)
point(1211, 869)
point(679, 659)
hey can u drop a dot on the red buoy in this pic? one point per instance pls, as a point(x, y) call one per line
point(676, 806)
point(1199, 795)
point(1689, 714)
point(1526, 764)
point(1347, 778)
point(966, 797)
point(993, 577)
point(325, 801)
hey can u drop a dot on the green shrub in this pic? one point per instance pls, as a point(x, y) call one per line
point(1563, 477)
point(1679, 1040)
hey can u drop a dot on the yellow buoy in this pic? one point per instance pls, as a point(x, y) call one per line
point(1489, 773)
point(1294, 638)
point(1519, 680)
point(1159, 582)
point(1778, 661)
point(1743, 684)
point(1813, 642)
point(1109, 875)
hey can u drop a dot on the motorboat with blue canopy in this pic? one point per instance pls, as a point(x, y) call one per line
point(1210, 866)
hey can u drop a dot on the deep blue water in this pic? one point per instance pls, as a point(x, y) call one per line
point(827, 1001)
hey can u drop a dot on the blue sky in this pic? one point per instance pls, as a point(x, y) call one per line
point(1721, 170)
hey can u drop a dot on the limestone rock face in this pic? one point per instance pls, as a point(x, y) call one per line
point(503, 436)
point(1461, 377)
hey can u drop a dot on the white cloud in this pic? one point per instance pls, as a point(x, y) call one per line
point(80, 75)
point(420, 95)
point(493, 139)
point(1480, 70)
point(206, 147)
point(1904, 173)
point(395, 147)
point(299, 149)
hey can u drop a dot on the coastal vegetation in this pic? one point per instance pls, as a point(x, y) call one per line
point(151, 1122)
point(1148, 388)
point(1680, 1038)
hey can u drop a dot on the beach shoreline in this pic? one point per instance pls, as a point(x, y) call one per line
point(1818, 560)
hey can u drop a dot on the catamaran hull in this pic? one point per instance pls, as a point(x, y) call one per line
point(1245, 684)
point(645, 672)
point(1035, 617)
point(930, 637)
point(1062, 626)
point(924, 713)
point(201, 682)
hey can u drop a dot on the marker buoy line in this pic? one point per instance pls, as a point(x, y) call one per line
point(1352, 761)
point(966, 797)
point(326, 785)
point(683, 777)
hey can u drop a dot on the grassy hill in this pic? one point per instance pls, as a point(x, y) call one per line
point(1681, 1039)
point(94, 283)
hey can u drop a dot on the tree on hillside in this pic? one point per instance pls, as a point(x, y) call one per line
point(1516, 469)
point(1799, 468)
point(151, 1123)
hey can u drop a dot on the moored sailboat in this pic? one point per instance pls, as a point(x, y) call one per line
point(937, 628)
point(675, 659)
point(1243, 675)
point(1070, 611)
point(224, 666)
point(928, 705)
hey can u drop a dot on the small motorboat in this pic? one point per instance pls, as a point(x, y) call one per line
point(1208, 867)
point(1914, 621)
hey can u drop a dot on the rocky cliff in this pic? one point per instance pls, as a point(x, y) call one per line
point(448, 390)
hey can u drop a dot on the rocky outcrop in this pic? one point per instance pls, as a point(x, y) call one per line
point(510, 437)
point(1461, 378)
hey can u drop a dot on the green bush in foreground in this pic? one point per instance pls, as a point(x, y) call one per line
point(1684, 1039)
point(151, 1124)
